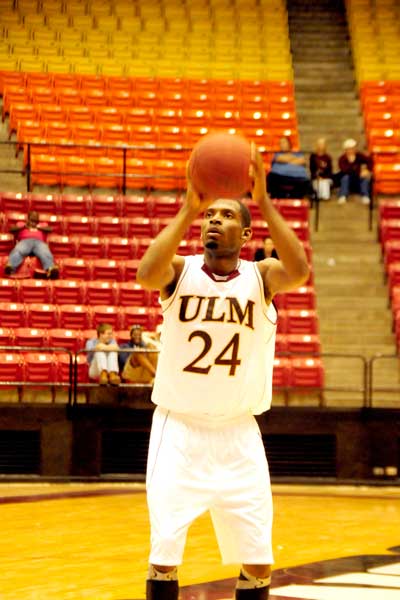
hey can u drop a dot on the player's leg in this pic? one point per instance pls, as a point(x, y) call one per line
point(98, 367)
point(175, 498)
point(113, 368)
point(42, 251)
point(242, 515)
point(162, 583)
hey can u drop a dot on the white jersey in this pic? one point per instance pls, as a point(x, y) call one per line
point(217, 345)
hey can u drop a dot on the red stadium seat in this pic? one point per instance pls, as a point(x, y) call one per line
point(302, 298)
point(303, 343)
point(131, 267)
point(100, 292)
point(307, 372)
point(141, 227)
point(136, 206)
point(106, 205)
point(6, 336)
point(35, 290)
point(389, 209)
point(11, 367)
point(39, 367)
point(106, 314)
point(12, 314)
point(302, 322)
point(67, 291)
point(8, 290)
point(27, 336)
point(63, 368)
point(41, 315)
point(281, 373)
point(107, 269)
point(74, 316)
point(14, 202)
point(138, 315)
point(118, 248)
point(111, 226)
point(71, 204)
point(90, 247)
point(79, 225)
point(65, 338)
point(62, 246)
point(44, 203)
point(132, 294)
point(75, 268)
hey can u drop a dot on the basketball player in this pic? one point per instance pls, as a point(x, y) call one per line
point(214, 373)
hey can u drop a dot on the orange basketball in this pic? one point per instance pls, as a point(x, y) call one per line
point(219, 166)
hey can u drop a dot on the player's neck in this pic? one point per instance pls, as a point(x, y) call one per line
point(221, 265)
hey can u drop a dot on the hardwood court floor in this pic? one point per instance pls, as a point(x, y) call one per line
point(90, 541)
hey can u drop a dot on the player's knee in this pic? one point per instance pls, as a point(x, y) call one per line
point(161, 569)
point(262, 571)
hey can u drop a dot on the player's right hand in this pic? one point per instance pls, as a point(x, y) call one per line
point(194, 201)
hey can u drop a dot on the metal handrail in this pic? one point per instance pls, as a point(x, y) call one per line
point(371, 387)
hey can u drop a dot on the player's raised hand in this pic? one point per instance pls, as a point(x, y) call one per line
point(257, 175)
point(196, 203)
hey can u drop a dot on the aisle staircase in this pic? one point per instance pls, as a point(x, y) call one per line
point(355, 316)
point(325, 89)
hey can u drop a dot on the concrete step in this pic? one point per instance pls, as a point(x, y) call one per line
point(311, 85)
point(326, 98)
point(297, 41)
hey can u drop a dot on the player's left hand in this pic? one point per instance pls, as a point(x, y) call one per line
point(257, 175)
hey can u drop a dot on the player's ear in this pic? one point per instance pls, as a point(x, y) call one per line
point(246, 234)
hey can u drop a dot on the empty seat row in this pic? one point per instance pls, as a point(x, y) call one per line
point(33, 368)
point(80, 316)
point(135, 205)
point(115, 293)
point(267, 89)
point(133, 227)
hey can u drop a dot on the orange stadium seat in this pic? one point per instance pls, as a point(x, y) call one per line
point(76, 171)
point(45, 170)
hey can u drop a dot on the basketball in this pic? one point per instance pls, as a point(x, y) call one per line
point(219, 166)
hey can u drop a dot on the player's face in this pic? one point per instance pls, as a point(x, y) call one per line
point(222, 227)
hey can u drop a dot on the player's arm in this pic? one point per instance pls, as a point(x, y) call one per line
point(160, 267)
point(291, 270)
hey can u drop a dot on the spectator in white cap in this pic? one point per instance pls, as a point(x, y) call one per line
point(355, 172)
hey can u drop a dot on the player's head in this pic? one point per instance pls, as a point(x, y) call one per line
point(226, 227)
point(104, 332)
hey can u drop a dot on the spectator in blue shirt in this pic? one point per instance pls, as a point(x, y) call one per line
point(103, 356)
point(288, 177)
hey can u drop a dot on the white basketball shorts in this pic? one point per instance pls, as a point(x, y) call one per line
point(193, 468)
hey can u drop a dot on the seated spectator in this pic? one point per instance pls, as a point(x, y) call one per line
point(288, 177)
point(267, 250)
point(103, 356)
point(31, 241)
point(139, 367)
point(321, 170)
point(355, 172)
